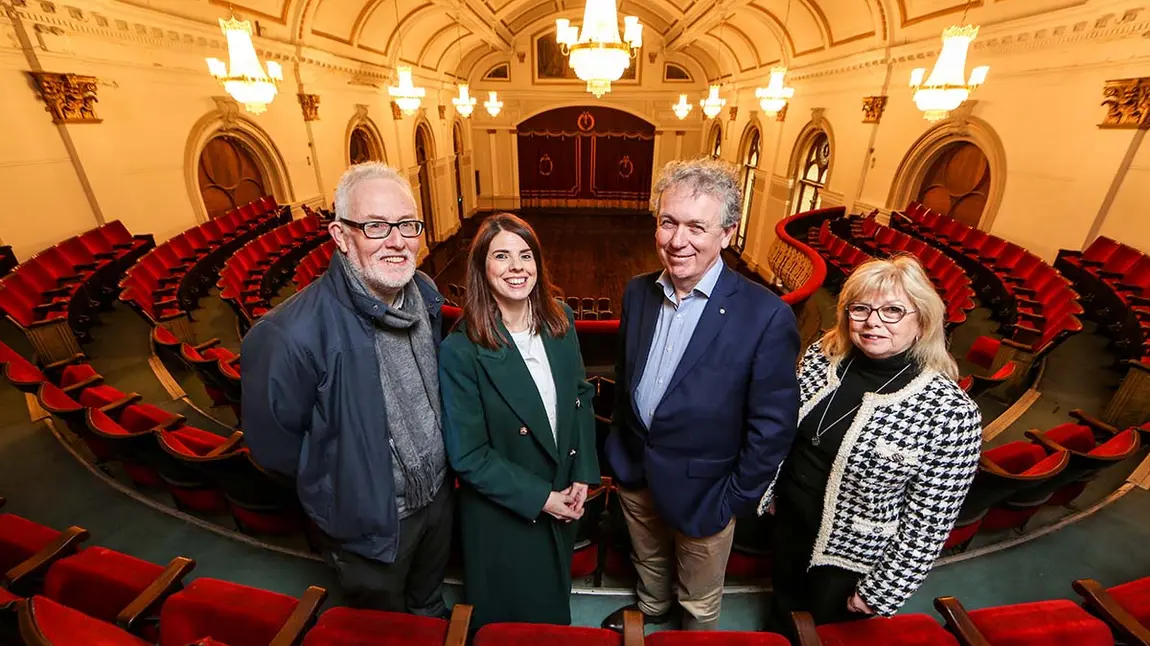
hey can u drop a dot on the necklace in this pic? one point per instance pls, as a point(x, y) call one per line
point(820, 429)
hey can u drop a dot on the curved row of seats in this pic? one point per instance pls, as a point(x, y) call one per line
point(1035, 303)
point(166, 284)
point(253, 275)
point(1114, 280)
point(57, 592)
point(54, 296)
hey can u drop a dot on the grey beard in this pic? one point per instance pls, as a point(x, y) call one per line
point(378, 284)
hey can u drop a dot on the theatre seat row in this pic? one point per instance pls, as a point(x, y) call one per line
point(253, 275)
point(1035, 303)
point(313, 265)
point(166, 284)
point(54, 296)
point(1016, 479)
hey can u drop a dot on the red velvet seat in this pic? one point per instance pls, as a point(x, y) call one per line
point(1125, 607)
point(49, 623)
point(713, 638)
point(20, 539)
point(235, 614)
point(353, 627)
point(1041, 623)
point(904, 630)
point(1034, 485)
point(1087, 456)
point(513, 634)
point(1134, 597)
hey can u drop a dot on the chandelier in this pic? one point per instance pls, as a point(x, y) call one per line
point(493, 104)
point(773, 98)
point(596, 54)
point(406, 95)
point(712, 105)
point(464, 103)
point(244, 78)
point(947, 87)
point(682, 108)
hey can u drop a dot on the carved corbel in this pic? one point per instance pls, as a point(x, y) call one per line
point(309, 103)
point(442, 112)
point(228, 108)
point(734, 112)
point(873, 107)
point(69, 98)
point(782, 114)
point(1127, 103)
point(396, 113)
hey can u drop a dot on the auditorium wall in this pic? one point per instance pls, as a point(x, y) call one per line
point(157, 106)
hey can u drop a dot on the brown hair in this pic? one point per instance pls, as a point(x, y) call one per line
point(481, 312)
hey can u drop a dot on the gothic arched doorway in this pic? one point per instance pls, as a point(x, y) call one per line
point(230, 175)
point(957, 183)
point(457, 143)
point(424, 153)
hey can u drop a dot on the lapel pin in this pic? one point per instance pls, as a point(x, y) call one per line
point(523, 430)
point(722, 310)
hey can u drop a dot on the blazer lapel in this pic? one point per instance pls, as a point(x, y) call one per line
point(509, 374)
point(715, 316)
point(648, 318)
point(559, 356)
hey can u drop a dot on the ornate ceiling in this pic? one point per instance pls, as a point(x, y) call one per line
point(725, 37)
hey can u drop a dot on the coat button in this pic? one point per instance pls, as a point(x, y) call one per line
point(532, 521)
point(523, 430)
point(572, 452)
point(877, 530)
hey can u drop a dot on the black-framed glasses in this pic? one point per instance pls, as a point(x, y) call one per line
point(376, 229)
point(886, 313)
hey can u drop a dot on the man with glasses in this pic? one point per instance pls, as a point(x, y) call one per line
point(341, 393)
point(706, 400)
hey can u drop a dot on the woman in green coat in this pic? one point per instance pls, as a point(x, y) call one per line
point(519, 430)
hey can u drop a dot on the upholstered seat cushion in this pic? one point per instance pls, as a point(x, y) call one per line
point(714, 638)
point(235, 614)
point(99, 582)
point(20, 538)
point(1041, 623)
point(905, 630)
point(512, 634)
point(351, 627)
point(1134, 597)
point(63, 626)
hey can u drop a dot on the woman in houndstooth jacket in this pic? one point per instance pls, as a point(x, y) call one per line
point(887, 447)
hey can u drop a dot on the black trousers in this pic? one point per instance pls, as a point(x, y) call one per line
point(822, 591)
point(414, 582)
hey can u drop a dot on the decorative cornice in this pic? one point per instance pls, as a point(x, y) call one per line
point(1127, 103)
point(309, 103)
point(70, 98)
point(873, 107)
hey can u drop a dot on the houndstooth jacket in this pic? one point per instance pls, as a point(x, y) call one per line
point(898, 482)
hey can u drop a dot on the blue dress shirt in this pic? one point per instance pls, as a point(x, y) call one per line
point(673, 330)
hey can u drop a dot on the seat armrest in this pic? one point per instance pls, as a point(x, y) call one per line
point(81, 385)
point(210, 343)
point(64, 363)
point(959, 622)
point(1093, 422)
point(1025, 334)
point(119, 404)
point(300, 618)
point(229, 445)
point(1101, 603)
point(106, 255)
point(460, 623)
point(63, 545)
point(164, 585)
point(805, 629)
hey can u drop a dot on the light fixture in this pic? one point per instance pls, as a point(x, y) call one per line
point(493, 104)
point(244, 78)
point(712, 105)
point(682, 108)
point(947, 86)
point(773, 98)
point(464, 103)
point(596, 54)
point(406, 95)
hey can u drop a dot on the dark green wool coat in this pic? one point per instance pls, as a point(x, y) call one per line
point(516, 557)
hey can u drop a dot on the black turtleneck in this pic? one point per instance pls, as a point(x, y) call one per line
point(804, 479)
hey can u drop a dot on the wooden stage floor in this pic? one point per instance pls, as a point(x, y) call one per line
point(587, 255)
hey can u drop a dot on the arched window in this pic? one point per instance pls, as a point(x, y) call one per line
point(363, 143)
point(812, 174)
point(957, 183)
point(716, 141)
point(457, 143)
point(424, 155)
point(750, 164)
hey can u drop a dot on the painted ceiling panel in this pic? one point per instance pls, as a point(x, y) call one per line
point(336, 17)
point(849, 20)
point(801, 22)
point(418, 20)
point(530, 14)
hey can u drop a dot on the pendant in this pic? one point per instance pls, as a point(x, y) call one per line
point(815, 440)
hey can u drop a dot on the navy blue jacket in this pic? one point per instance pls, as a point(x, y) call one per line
point(729, 415)
point(313, 408)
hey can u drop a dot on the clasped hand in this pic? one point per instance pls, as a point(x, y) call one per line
point(567, 505)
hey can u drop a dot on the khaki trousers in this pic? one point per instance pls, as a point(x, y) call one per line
point(669, 562)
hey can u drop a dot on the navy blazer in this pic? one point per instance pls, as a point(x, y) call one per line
point(729, 415)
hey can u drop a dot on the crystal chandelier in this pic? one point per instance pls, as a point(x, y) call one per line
point(596, 54)
point(406, 95)
point(682, 108)
point(244, 78)
point(464, 103)
point(947, 87)
point(712, 105)
point(493, 104)
point(773, 98)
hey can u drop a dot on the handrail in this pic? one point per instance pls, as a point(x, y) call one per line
point(801, 280)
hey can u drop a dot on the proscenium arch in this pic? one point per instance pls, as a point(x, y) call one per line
point(912, 169)
point(580, 104)
point(365, 122)
point(234, 124)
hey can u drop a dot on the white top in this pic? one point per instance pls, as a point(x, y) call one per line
point(535, 356)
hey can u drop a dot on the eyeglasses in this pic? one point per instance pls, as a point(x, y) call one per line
point(376, 229)
point(886, 313)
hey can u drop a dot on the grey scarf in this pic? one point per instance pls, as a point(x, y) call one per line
point(409, 375)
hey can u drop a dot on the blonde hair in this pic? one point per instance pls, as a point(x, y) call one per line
point(883, 276)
